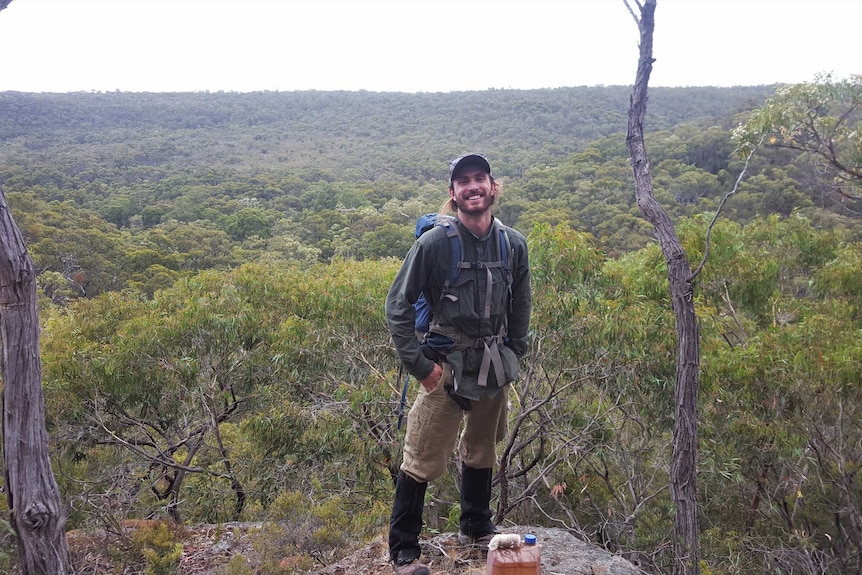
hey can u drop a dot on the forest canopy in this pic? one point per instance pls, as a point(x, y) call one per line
point(139, 189)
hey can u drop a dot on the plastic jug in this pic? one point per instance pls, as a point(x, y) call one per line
point(523, 560)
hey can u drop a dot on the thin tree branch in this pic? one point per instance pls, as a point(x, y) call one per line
point(721, 206)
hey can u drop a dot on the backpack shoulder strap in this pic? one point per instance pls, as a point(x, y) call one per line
point(506, 251)
point(456, 254)
point(456, 260)
point(507, 256)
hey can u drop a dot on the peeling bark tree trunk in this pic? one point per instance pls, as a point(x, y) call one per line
point(683, 470)
point(37, 514)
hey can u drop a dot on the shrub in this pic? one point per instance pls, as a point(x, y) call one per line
point(156, 544)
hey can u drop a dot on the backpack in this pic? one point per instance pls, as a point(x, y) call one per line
point(456, 262)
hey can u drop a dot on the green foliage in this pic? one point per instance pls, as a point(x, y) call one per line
point(820, 121)
point(229, 322)
point(236, 565)
point(839, 277)
point(157, 545)
point(115, 203)
point(315, 445)
point(257, 345)
point(246, 223)
point(798, 112)
point(301, 528)
point(388, 240)
point(562, 258)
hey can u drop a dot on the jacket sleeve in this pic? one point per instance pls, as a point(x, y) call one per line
point(401, 315)
point(522, 298)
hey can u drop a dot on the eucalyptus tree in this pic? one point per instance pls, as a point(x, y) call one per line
point(160, 379)
point(819, 120)
point(683, 474)
point(229, 386)
point(779, 411)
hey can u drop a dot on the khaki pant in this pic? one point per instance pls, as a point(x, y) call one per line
point(432, 430)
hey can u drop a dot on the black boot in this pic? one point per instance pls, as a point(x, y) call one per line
point(406, 521)
point(476, 524)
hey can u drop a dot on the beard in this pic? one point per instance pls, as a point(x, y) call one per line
point(476, 211)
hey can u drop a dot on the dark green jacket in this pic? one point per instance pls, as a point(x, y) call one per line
point(426, 269)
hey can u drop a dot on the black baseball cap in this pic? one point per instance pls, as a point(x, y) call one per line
point(468, 160)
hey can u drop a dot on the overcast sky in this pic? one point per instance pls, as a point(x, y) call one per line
point(415, 45)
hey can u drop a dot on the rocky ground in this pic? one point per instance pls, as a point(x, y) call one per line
point(562, 554)
point(207, 549)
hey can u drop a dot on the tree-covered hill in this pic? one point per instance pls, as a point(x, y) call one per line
point(365, 135)
point(118, 190)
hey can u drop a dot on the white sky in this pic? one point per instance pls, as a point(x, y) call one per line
point(415, 45)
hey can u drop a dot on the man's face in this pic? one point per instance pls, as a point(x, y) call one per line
point(472, 190)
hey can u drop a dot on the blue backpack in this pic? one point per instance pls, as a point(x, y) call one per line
point(456, 263)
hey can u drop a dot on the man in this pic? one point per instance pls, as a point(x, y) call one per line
point(465, 362)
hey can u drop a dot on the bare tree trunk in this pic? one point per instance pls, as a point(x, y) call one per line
point(683, 471)
point(37, 514)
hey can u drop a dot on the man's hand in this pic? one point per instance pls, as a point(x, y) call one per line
point(433, 379)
